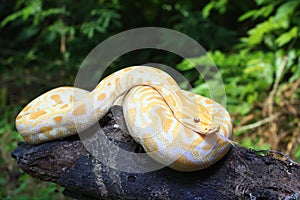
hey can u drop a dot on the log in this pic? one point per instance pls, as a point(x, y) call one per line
point(241, 174)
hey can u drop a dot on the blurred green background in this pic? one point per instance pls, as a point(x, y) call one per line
point(254, 44)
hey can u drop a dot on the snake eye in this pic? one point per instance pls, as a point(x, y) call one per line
point(196, 120)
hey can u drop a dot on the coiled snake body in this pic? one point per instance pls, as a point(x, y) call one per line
point(177, 128)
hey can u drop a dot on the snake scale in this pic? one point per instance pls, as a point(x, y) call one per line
point(178, 128)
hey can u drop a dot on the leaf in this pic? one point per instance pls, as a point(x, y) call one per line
point(10, 18)
point(185, 65)
point(296, 72)
point(54, 11)
point(247, 15)
point(206, 10)
point(201, 63)
point(261, 69)
point(270, 41)
point(286, 9)
point(261, 2)
point(287, 37)
point(244, 108)
point(297, 153)
point(218, 5)
point(257, 33)
point(254, 14)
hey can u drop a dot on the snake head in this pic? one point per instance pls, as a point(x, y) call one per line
point(200, 121)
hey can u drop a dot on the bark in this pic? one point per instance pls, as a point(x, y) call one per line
point(241, 174)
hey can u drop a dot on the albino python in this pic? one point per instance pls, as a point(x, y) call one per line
point(185, 131)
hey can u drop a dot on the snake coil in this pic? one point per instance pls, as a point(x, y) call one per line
point(178, 128)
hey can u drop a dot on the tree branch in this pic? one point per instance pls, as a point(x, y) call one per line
point(241, 174)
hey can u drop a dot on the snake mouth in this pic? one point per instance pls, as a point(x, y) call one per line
point(213, 130)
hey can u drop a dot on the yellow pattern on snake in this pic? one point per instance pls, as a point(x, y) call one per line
point(183, 130)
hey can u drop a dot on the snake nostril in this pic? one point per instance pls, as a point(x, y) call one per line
point(196, 120)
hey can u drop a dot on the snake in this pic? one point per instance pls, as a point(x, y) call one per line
point(178, 128)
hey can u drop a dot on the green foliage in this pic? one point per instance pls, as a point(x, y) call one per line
point(247, 76)
point(297, 154)
point(279, 26)
point(269, 51)
point(254, 143)
point(44, 191)
point(253, 44)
